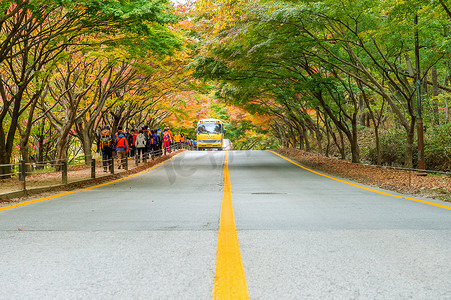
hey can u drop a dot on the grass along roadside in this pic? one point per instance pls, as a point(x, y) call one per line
point(431, 186)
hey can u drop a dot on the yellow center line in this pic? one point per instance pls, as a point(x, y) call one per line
point(85, 189)
point(230, 280)
point(365, 188)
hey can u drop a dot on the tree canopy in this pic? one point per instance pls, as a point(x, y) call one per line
point(330, 68)
point(335, 77)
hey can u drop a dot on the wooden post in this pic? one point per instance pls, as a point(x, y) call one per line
point(93, 168)
point(64, 172)
point(420, 129)
point(112, 165)
point(22, 174)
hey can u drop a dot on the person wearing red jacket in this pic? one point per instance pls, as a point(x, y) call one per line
point(121, 149)
point(131, 142)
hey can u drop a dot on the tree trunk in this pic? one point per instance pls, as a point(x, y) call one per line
point(61, 150)
point(7, 134)
point(40, 150)
point(342, 147)
point(301, 141)
point(362, 116)
point(326, 124)
point(355, 151)
point(319, 134)
point(300, 134)
point(25, 134)
point(5, 159)
point(376, 125)
point(378, 146)
point(408, 158)
point(319, 140)
point(292, 139)
point(424, 83)
point(24, 150)
point(341, 126)
point(306, 139)
point(435, 93)
point(86, 143)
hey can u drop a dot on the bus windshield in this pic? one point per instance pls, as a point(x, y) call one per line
point(209, 128)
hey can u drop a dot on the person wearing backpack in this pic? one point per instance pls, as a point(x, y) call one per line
point(140, 144)
point(155, 138)
point(131, 142)
point(106, 146)
point(121, 149)
point(160, 140)
point(146, 135)
point(152, 143)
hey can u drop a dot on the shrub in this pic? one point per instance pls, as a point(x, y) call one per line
point(437, 149)
point(392, 145)
point(437, 153)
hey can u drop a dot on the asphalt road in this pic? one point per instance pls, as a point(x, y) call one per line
point(154, 236)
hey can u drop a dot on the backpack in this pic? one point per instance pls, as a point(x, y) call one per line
point(156, 139)
point(106, 140)
point(166, 137)
point(130, 140)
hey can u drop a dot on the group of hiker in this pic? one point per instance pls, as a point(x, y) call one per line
point(141, 144)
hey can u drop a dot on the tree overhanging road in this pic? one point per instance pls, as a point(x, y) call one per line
point(154, 236)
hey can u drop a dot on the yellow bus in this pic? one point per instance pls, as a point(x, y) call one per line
point(210, 133)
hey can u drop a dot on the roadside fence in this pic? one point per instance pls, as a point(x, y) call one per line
point(27, 178)
point(411, 171)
